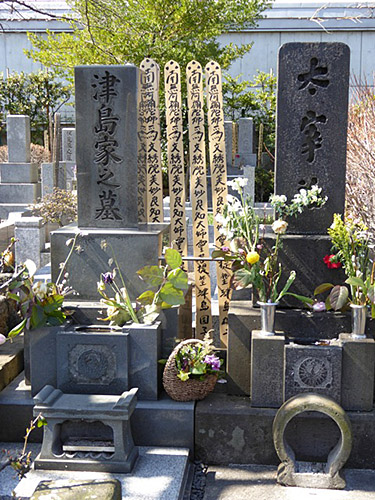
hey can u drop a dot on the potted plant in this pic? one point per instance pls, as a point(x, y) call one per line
point(253, 262)
point(192, 370)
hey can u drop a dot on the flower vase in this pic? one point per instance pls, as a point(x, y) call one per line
point(359, 313)
point(267, 317)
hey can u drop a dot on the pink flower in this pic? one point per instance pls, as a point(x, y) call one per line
point(319, 307)
point(3, 339)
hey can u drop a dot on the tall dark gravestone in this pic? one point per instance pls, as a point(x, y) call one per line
point(312, 111)
point(107, 146)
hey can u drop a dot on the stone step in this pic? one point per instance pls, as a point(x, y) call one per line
point(229, 431)
point(18, 172)
point(11, 361)
point(9, 208)
point(155, 423)
point(159, 473)
point(23, 193)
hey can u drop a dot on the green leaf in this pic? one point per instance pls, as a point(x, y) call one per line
point(218, 253)
point(17, 329)
point(38, 317)
point(171, 295)
point(288, 284)
point(178, 278)
point(242, 278)
point(302, 298)
point(173, 258)
point(146, 298)
point(324, 287)
point(338, 297)
point(354, 281)
point(13, 296)
point(41, 421)
point(153, 275)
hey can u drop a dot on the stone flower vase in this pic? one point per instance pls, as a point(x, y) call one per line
point(267, 317)
point(359, 314)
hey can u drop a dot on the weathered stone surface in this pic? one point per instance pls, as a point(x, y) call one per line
point(11, 361)
point(133, 250)
point(267, 370)
point(30, 239)
point(245, 136)
point(311, 368)
point(107, 145)
point(312, 104)
point(228, 430)
point(357, 388)
point(18, 138)
point(69, 489)
point(293, 473)
point(23, 193)
point(92, 360)
point(47, 178)
point(18, 172)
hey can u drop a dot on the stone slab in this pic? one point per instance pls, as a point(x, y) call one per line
point(18, 172)
point(229, 431)
point(245, 135)
point(47, 178)
point(133, 250)
point(70, 489)
point(21, 192)
point(311, 128)
point(11, 361)
point(160, 473)
point(90, 362)
point(18, 138)
point(155, 423)
point(259, 481)
point(358, 373)
point(313, 369)
point(107, 145)
point(267, 370)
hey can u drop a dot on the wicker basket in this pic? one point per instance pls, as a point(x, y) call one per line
point(190, 390)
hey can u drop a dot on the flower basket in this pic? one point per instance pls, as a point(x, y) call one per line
point(190, 390)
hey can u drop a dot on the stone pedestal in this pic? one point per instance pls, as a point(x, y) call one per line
point(30, 240)
point(67, 443)
point(267, 370)
point(133, 248)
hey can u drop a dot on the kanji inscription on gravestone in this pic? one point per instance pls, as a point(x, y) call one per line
point(312, 109)
point(106, 111)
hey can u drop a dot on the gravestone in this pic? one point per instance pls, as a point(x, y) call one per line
point(18, 177)
point(106, 153)
point(228, 131)
point(312, 111)
point(245, 155)
point(312, 107)
point(68, 155)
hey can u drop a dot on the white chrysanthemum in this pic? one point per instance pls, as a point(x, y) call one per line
point(279, 226)
point(40, 289)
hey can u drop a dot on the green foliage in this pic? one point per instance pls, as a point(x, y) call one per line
point(167, 284)
point(255, 99)
point(59, 206)
point(33, 94)
point(119, 31)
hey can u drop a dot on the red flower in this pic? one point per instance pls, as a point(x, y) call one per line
point(329, 260)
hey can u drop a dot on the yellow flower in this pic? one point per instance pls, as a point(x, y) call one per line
point(252, 257)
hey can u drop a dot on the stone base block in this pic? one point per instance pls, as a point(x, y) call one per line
point(109, 489)
point(267, 370)
point(133, 248)
point(229, 431)
point(88, 464)
point(357, 390)
point(18, 172)
point(11, 208)
point(22, 193)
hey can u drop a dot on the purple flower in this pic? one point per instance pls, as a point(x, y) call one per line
point(241, 251)
point(225, 249)
point(107, 278)
point(319, 307)
point(2, 339)
point(212, 360)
